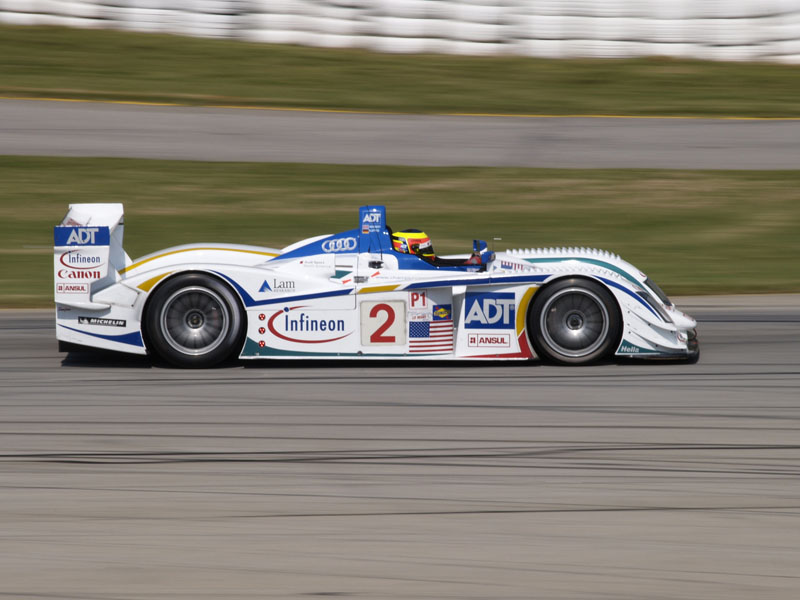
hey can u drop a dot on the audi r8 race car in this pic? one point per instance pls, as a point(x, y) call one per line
point(367, 292)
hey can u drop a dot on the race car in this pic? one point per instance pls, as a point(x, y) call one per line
point(368, 293)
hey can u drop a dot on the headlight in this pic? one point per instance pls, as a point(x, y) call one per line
point(657, 291)
point(656, 306)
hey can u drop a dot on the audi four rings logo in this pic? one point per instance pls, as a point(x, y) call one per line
point(340, 245)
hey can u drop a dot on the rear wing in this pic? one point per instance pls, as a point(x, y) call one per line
point(87, 252)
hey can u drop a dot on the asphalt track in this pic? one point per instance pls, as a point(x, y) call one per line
point(29, 127)
point(121, 480)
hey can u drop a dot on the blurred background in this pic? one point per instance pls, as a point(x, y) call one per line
point(667, 131)
point(391, 102)
point(706, 29)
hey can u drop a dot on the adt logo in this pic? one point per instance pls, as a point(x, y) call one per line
point(488, 310)
point(82, 236)
point(371, 223)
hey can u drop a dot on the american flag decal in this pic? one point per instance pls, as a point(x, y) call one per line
point(435, 336)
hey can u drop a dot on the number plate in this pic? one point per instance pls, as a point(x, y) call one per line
point(383, 323)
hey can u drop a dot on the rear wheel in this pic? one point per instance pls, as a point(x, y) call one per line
point(574, 321)
point(194, 320)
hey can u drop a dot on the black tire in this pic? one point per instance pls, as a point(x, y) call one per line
point(574, 322)
point(194, 320)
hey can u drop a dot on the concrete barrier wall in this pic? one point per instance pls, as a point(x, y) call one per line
point(766, 30)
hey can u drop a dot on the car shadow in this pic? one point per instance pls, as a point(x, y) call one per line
point(118, 360)
point(106, 359)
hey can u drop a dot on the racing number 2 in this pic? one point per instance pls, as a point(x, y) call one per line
point(383, 323)
point(377, 337)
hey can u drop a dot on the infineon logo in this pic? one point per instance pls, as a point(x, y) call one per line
point(489, 310)
point(76, 259)
point(306, 328)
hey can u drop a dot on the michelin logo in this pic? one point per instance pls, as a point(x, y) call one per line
point(486, 310)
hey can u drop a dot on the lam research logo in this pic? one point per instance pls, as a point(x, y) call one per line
point(487, 310)
point(348, 244)
point(277, 285)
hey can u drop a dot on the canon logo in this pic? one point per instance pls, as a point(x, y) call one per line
point(70, 274)
point(347, 244)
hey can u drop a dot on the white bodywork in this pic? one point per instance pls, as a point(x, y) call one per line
point(327, 297)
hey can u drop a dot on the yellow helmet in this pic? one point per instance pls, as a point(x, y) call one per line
point(413, 241)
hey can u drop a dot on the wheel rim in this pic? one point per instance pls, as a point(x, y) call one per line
point(574, 322)
point(195, 320)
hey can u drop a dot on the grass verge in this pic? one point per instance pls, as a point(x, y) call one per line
point(694, 232)
point(112, 65)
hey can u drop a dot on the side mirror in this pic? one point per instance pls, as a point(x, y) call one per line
point(481, 248)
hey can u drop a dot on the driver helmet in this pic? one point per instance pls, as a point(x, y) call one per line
point(413, 241)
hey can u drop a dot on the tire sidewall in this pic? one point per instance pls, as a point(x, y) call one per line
point(157, 341)
point(540, 344)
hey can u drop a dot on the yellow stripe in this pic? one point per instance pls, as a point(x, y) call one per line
point(342, 111)
point(148, 285)
point(591, 116)
point(378, 288)
point(136, 102)
point(147, 260)
point(522, 312)
point(376, 112)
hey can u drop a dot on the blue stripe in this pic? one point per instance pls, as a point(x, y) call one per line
point(249, 301)
point(133, 339)
point(631, 294)
point(483, 281)
point(591, 261)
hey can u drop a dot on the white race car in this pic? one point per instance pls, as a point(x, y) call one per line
point(354, 295)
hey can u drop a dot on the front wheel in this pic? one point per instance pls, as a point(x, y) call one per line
point(575, 322)
point(194, 320)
